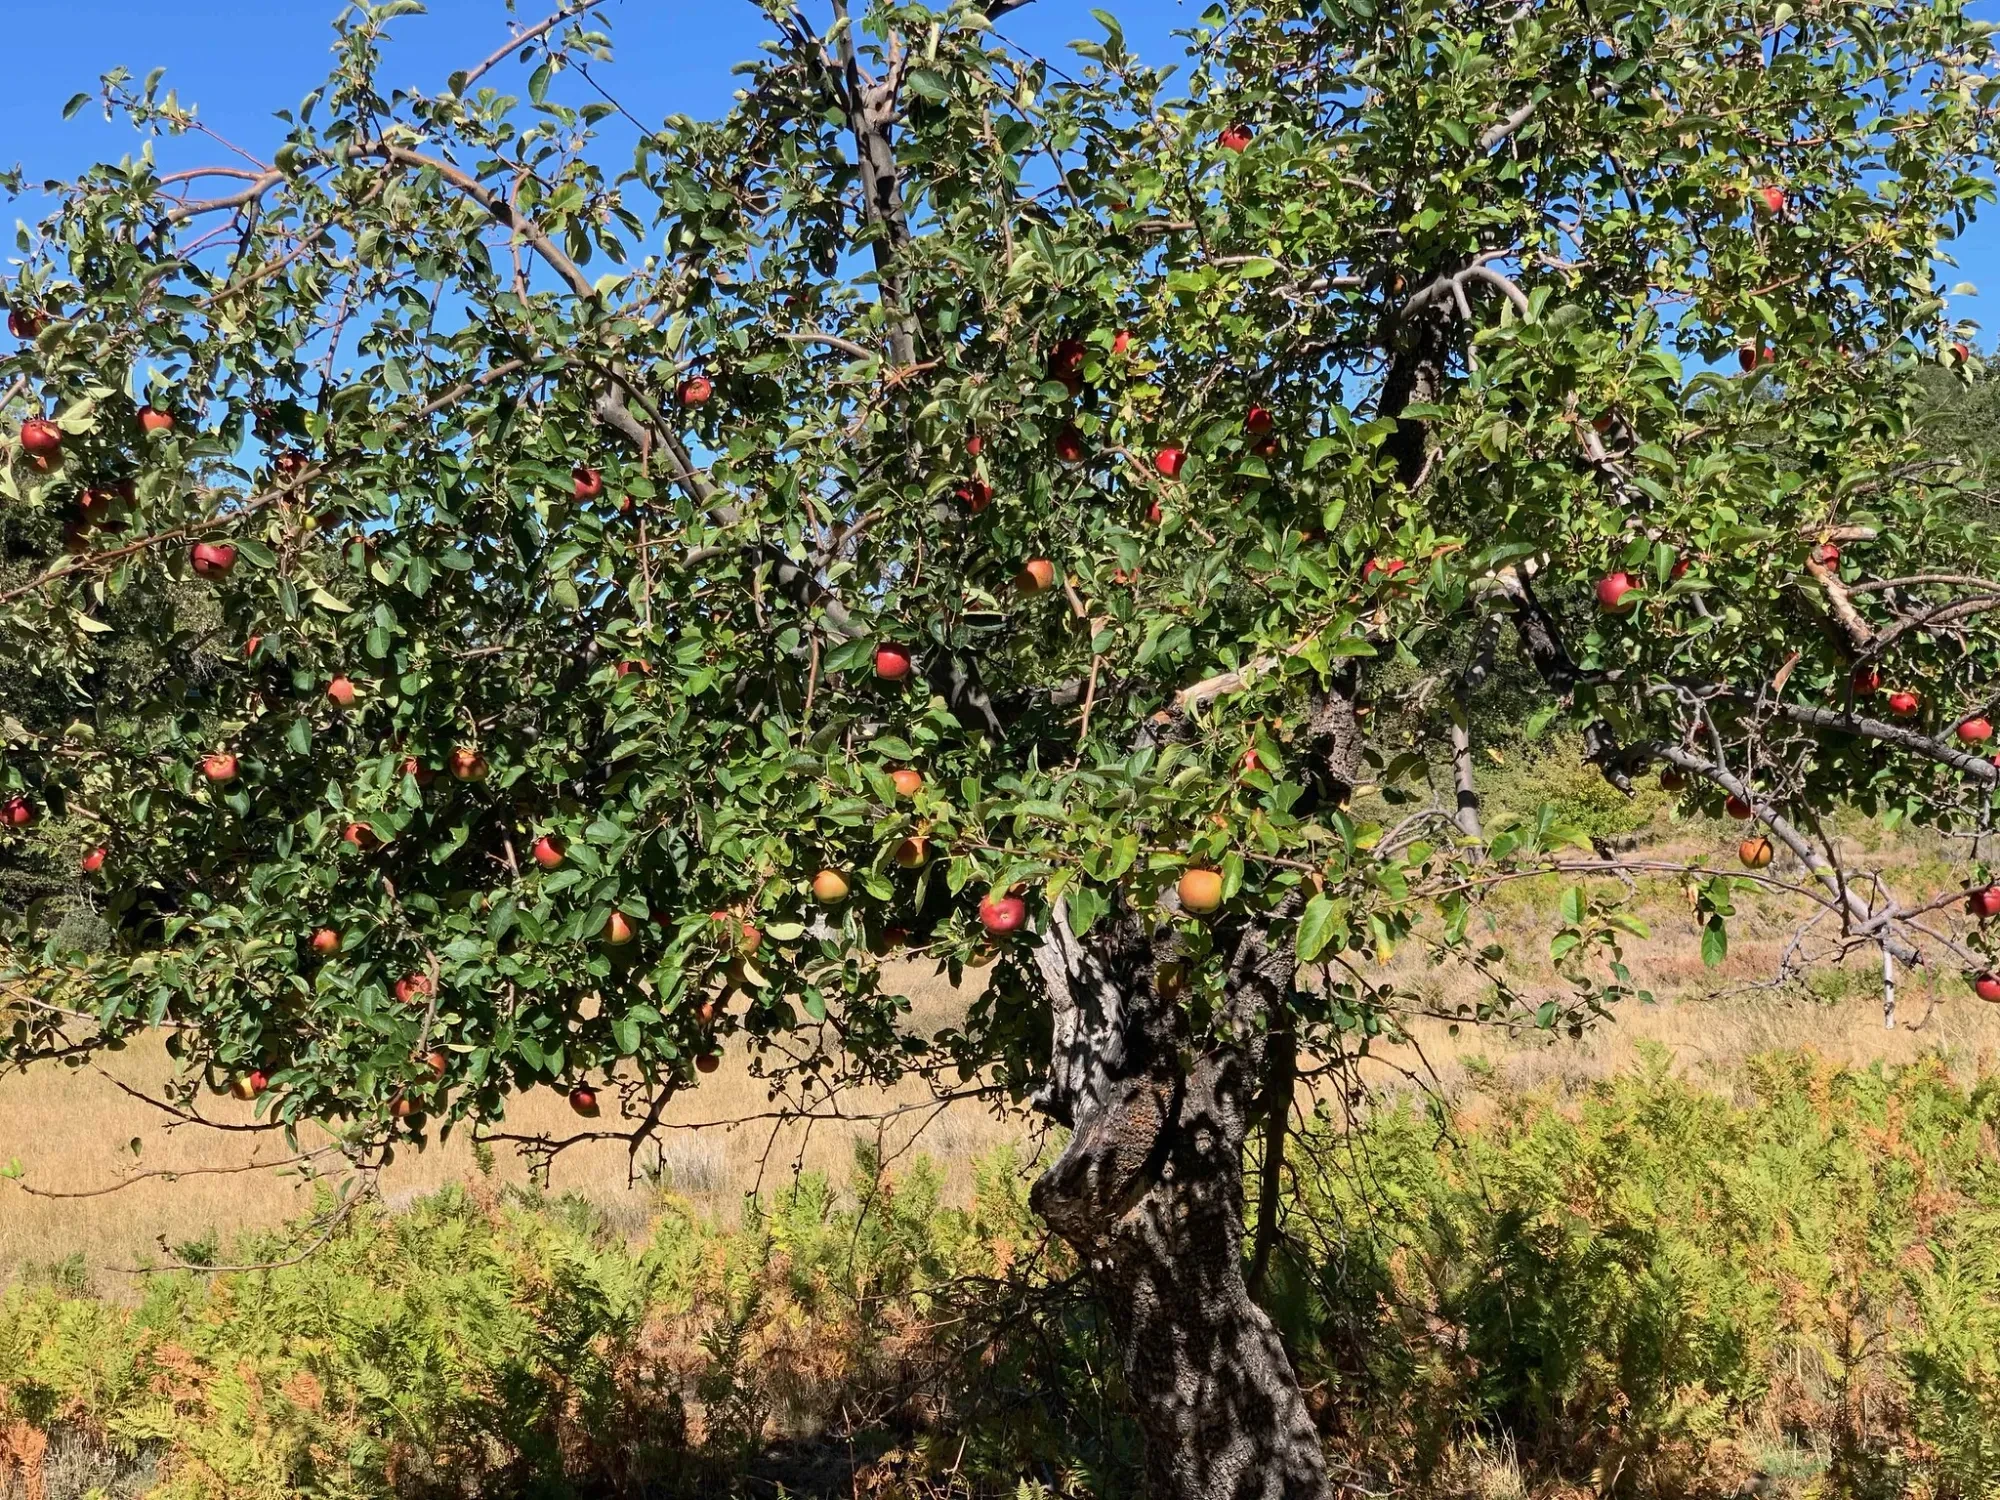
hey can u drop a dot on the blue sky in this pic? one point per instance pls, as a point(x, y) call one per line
point(240, 60)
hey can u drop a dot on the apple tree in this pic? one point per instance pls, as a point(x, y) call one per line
point(1053, 518)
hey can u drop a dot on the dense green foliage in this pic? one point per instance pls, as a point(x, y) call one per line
point(1650, 1288)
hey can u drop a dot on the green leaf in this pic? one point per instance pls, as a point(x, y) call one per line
point(1316, 927)
point(1714, 942)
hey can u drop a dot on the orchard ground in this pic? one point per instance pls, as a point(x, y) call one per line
point(74, 1130)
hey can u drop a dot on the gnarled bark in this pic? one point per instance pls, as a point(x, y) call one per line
point(1149, 1193)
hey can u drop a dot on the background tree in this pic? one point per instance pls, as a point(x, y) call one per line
point(948, 481)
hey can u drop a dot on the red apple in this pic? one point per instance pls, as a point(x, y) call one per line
point(413, 767)
point(467, 765)
point(617, 929)
point(24, 324)
point(250, 646)
point(1827, 555)
point(360, 835)
point(1737, 808)
point(1774, 198)
point(975, 495)
point(1000, 915)
point(907, 781)
point(1037, 576)
point(973, 444)
point(1984, 902)
point(1987, 988)
point(1154, 513)
point(1170, 461)
point(707, 1062)
point(340, 692)
point(404, 1107)
point(40, 438)
point(1121, 342)
point(1614, 592)
point(892, 663)
point(586, 484)
point(912, 852)
point(548, 853)
point(1257, 420)
point(695, 390)
point(326, 940)
point(1865, 681)
point(829, 888)
point(1067, 357)
point(1249, 760)
point(627, 668)
point(94, 861)
point(1963, 352)
point(436, 1062)
point(19, 812)
point(212, 559)
point(584, 1101)
point(413, 987)
point(1749, 356)
point(1388, 567)
point(1972, 731)
point(152, 419)
point(247, 1086)
point(1200, 891)
point(1069, 446)
point(220, 766)
point(1235, 138)
point(1755, 853)
point(1904, 705)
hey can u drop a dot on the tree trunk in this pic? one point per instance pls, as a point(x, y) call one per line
point(1149, 1193)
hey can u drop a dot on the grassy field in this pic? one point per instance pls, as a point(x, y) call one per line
point(75, 1131)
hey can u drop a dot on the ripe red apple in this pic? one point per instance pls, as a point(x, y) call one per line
point(1266, 447)
point(1973, 730)
point(1774, 198)
point(973, 444)
point(1984, 902)
point(584, 1101)
point(24, 324)
point(1866, 681)
point(18, 813)
point(1037, 576)
point(152, 419)
point(1000, 915)
point(212, 559)
point(413, 987)
point(1121, 342)
point(1154, 513)
point(1679, 570)
point(1755, 853)
point(220, 766)
point(413, 767)
point(340, 692)
point(1614, 593)
point(1737, 808)
point(975, 495)
point(627, 668)
point(1904, 705)
point(250, 646)
point(1749, 356)
point(912, 852)
point(1249, 760)
point(548, 852)
point(404, 1107)
point(40, 438)
point(1069, 446)
point(707, 1062)
point(1963, 351)
point(829, 888)
point(586, 484)
point(1827, 555)
point(892, 663)
point(467, 765)
point(1987, 988)
point(1200, 891)
point(1235, 138)
point(247, 1086)
point(1388, 567)
point(1257, 420)
point(695, 390)
point(326, 940)
point(1602, 423)
point(360, 835)
point(617, 929)
point(94, 861)
point(1067, 357)
point(907, 781)
point(1170, 461)
point(437, 1062)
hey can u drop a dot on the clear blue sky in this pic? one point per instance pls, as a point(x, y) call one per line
point(239, 60)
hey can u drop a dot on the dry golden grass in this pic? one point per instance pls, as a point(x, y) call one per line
point(72, 1129)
